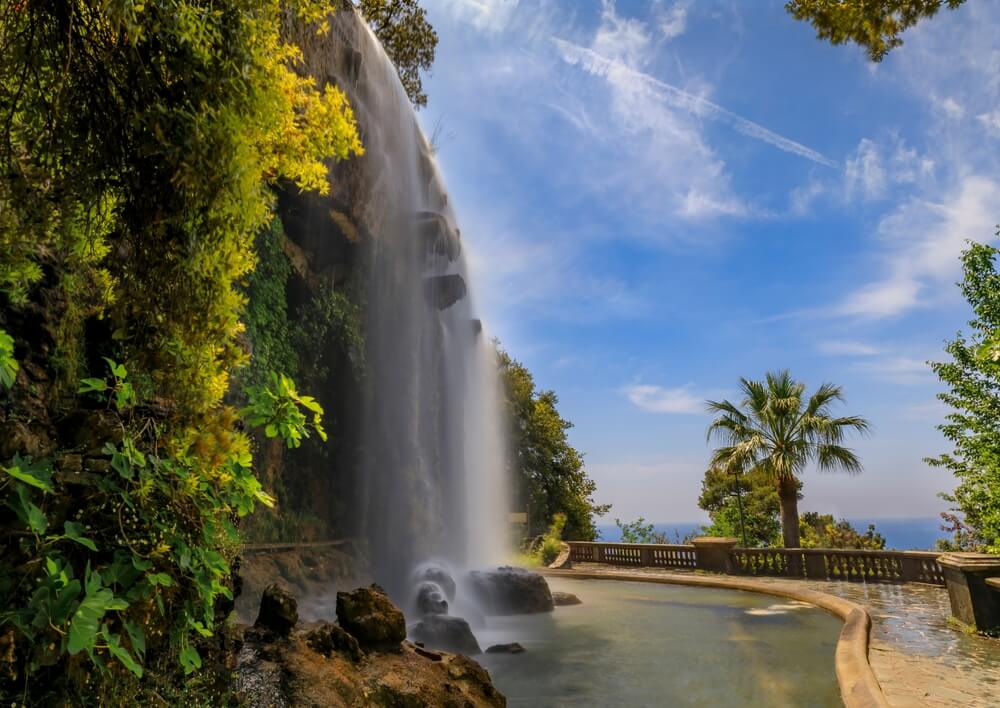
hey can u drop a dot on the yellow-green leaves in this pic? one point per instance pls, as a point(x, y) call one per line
point(8, 364)
point(282, 412)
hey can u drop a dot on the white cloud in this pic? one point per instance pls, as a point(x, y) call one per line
point(657, 399)
point(898, 370)
point(922, 243)
point(847, 348)
point(672, 20)
point(952, 109)
point(484, 15)
point(865, 171)
point(991, 121)
point(802, 198)
point(876, 167)
point(620, 38)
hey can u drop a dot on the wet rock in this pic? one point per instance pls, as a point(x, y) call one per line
point(443, 291)
point(512, 648)
point(279, 611)
point(329, 638)
point(98, 465)
point(560, 599)
point(447, 633)
point(92, 429)
point(68, 463)
point(17, 437)
point(431, 599)
point(438, 235)
point(510, 591)
point(436, 574)
point(369, 615)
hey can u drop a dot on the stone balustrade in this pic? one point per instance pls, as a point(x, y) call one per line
point(723, 555)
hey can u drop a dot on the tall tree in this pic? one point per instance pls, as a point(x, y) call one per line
point(777, 432)
point(722, 495)
point(408, 38)
point(548, 472)
point(873, 24)
point(973, 380)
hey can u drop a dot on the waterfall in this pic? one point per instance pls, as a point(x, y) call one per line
point(431, 471)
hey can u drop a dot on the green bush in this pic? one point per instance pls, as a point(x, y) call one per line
point(548, 549)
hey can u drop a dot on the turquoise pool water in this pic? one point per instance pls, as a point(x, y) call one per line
point(642, 644)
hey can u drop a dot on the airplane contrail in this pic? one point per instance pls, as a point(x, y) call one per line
point(600, 65)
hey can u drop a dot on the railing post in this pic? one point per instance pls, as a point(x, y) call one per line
point(713, 553)
point(598, 553)
point(910, 567)
point(793, 558)
point(974, 601)
point(646, 557)
point(815, 566)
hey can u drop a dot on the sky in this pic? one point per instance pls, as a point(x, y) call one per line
point(658, 198)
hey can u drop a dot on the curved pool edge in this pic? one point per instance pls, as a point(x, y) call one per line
point(858, 686)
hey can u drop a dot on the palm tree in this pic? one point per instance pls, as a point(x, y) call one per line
point(776, 431)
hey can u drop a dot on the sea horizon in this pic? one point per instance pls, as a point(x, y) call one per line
point(902, 534)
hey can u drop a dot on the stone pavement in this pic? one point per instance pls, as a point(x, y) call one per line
point(918, 657)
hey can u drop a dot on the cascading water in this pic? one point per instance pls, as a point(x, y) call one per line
point(432, 458)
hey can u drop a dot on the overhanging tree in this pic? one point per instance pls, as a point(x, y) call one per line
point(777, 432)
point(873, 24)
point(408, 38)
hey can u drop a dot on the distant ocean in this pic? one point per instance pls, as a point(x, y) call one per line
point(901, 534)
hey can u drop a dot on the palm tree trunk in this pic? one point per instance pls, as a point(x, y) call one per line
point(788, 496)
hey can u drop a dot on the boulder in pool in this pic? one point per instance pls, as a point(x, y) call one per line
point(431, 599)
point(510, 591)
point(446, 633)
point(512, 648)
point(370, 617)
point(560, 599)
point(437, 574)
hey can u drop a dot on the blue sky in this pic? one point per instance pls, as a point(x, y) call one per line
point(660, 197)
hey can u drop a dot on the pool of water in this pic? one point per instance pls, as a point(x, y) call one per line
point(641, 644)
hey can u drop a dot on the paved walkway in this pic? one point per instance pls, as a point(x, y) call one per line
point(919, 658)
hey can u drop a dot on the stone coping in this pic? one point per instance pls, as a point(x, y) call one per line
point(858, 686)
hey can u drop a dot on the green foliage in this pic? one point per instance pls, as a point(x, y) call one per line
point(759, 498)
point(165, 556)
point(330, 320)
point(548, 549)
point(266, 315)
point(282, 412)
point(639, 531)
point(139, 145)
point(822, 531)
point(154, 129)
point(8, 364)
point(408, 38)
point(547, 470)
point(973, 425)
point(121, 391)
point(777, 433)
point(873, 24)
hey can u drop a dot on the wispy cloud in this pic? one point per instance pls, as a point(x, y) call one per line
point(611, 68)
point(847, 348)
point(672, 19)
point(657, 399)
point(898, 370)
point(875, 167)
point(922, 242)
